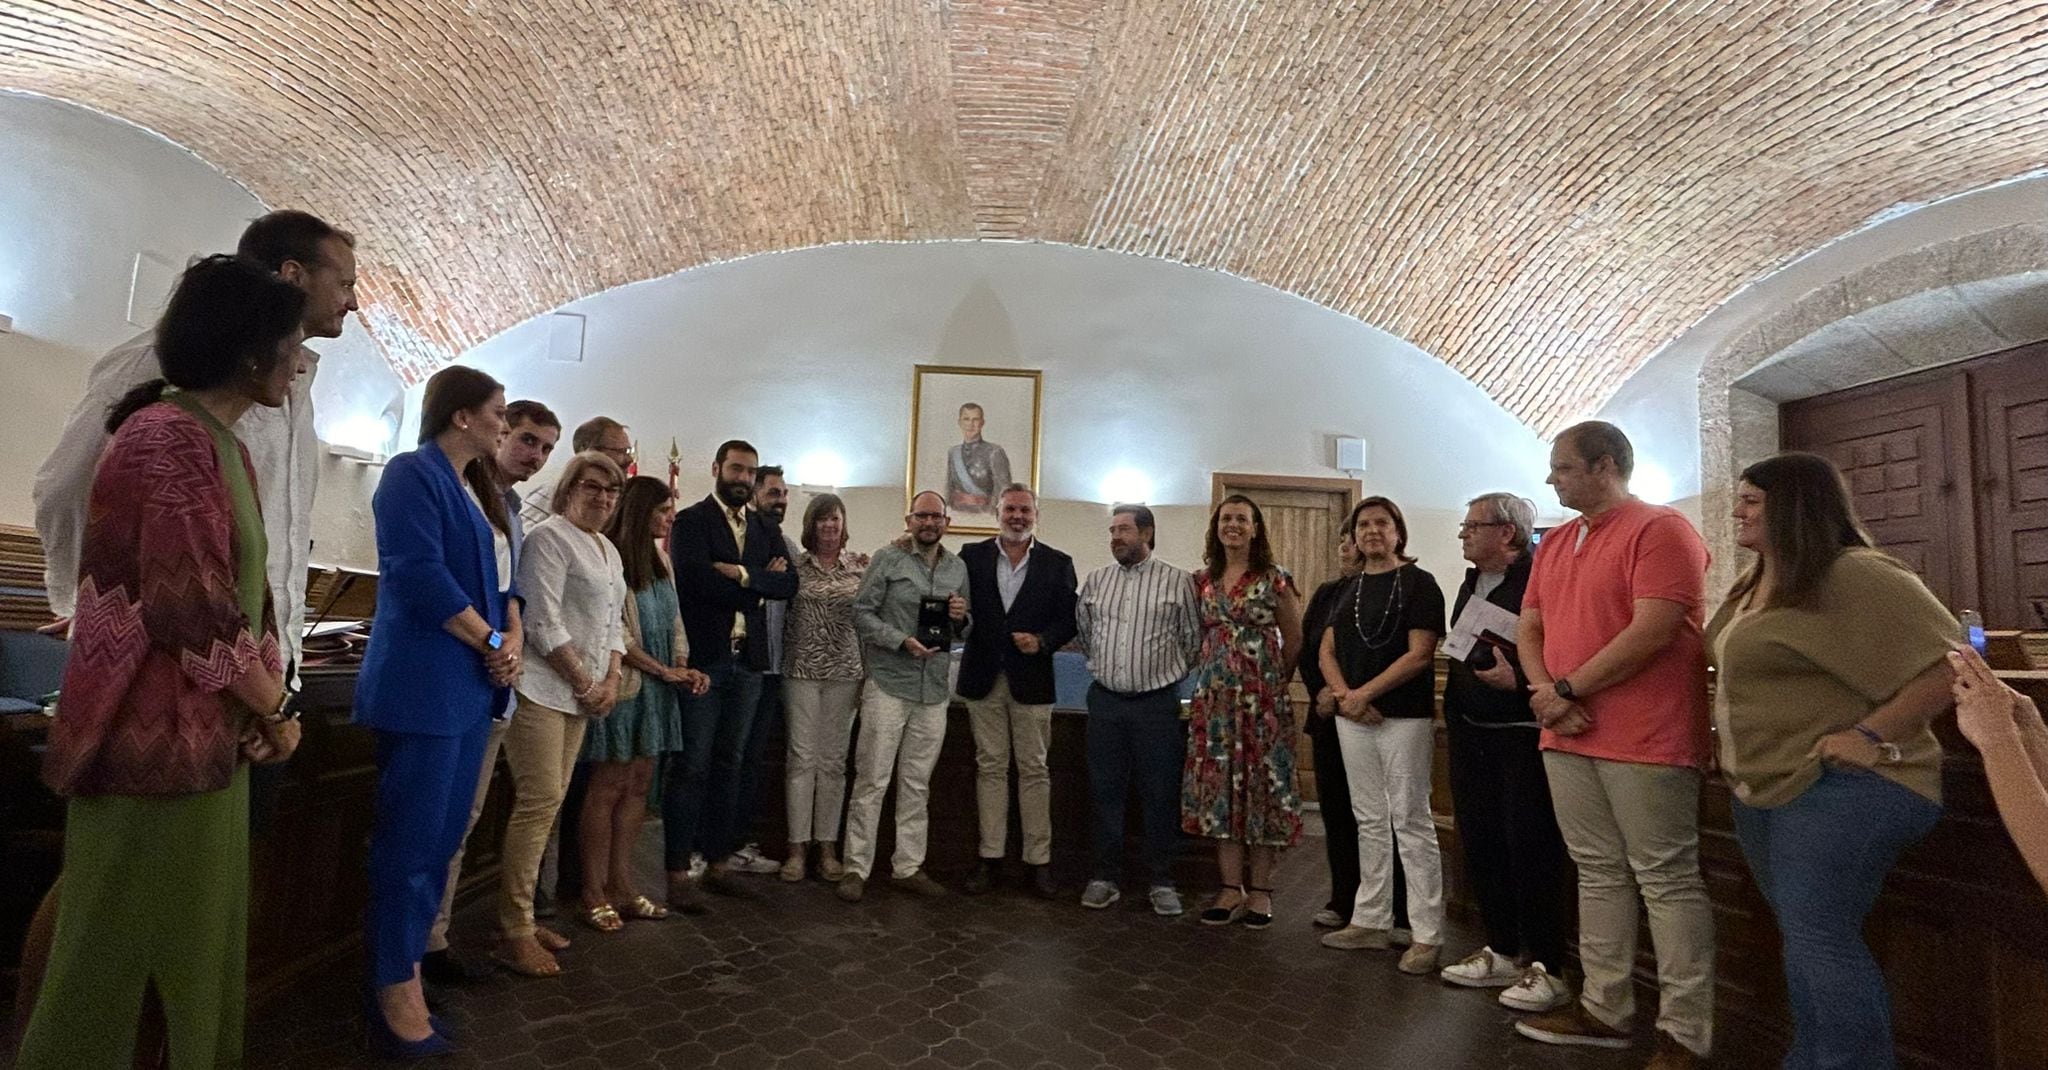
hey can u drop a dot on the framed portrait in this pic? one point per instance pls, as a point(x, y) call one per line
point(973, 431)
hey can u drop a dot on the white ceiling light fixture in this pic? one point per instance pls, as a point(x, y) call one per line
point(1126, 485)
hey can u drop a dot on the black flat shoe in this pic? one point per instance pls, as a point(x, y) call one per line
point(1222, 915)
point(1254, 919)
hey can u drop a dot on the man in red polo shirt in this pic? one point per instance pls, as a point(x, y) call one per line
point(1610, 638)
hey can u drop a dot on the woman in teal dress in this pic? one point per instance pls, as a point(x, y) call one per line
point(1237, 787)
point(173, 685)
point(623, 746)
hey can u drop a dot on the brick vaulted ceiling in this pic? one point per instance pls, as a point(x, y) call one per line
point(1539, 192)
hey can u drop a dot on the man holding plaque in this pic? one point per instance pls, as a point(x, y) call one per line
point(912, 604)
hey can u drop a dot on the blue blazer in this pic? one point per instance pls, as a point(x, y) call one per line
point(434, 559)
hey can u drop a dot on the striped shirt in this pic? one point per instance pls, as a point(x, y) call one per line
point(1139, 624)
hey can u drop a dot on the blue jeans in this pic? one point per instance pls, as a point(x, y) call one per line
point(1820, 861)
point(1135, 738)
point(767, 722)
point(700, 787)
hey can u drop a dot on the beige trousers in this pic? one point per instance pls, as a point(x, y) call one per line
point(1005, 729)
point(541, 748)
point(437, 937)
point(1636, 829)
point(905, 737)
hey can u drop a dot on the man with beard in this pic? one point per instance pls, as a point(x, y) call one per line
point(912, 602)
point(771, 505)
point(533, 432)
point(1026, 593)
point(1141, 627)
point(728, 562)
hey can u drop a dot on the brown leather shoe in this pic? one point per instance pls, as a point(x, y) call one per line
point(1671, 1055)
point(1572, 1025)
point(920, 883)
point(721, 881)
point(851, 887)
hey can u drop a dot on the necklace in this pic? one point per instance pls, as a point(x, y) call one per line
point(1389, 626)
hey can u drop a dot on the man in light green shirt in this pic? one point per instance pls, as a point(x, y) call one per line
point(903, 704)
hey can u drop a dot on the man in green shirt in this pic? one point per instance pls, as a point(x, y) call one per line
point(903, 704)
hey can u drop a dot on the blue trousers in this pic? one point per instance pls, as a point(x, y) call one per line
point(425, 785)
point(1135, 738)
point(700, 786)
point(1820, 861)
point(767, 722)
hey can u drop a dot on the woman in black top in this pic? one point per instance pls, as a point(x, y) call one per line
point(1376, 657)
point(1333, 793)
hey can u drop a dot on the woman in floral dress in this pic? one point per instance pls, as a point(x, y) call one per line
point(1238, 784)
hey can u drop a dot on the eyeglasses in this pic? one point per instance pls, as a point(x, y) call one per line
point(1466, 528)
point(927, 518)
point(599, 489)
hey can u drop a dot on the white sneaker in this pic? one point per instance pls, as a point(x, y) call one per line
point(1535, 990)
point(1482, 969)
point(696, 865)
point(1329, 919)
point(749, 859)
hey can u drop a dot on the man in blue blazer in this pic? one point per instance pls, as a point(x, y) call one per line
point(1023, 594)
point(728, 561)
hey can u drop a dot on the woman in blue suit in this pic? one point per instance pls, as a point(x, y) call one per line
point(444, 649)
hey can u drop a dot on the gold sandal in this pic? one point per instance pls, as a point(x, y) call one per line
point(641, 908)
point(603, 918)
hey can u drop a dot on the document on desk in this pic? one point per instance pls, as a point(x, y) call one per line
point(1479, 616)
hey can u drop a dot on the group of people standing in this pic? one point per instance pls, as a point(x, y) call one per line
point(624, 654)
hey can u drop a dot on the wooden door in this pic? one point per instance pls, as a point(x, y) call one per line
point(1304, 515)
point(2010, 398)
point(1904, 447)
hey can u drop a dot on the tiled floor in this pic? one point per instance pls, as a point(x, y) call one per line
point(799, 979)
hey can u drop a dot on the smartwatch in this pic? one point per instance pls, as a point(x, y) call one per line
point(1563, 687)
point(1885, 748)
point(496, 641)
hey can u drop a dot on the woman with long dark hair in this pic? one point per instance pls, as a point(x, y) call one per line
point(1376, 658)
point(1831, 662)
point(173, 686)
point(623, 747)
point(445, 646)
point(1237, 786)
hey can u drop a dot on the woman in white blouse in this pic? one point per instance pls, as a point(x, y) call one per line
point(575, 591)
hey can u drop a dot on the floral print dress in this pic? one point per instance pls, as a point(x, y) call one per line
point(1238, 782)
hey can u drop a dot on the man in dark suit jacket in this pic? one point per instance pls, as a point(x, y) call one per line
point(1006, 678)
point(727, 561)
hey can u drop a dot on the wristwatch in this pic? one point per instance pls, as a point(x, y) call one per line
point(496, 641)
point(287, 708)
point(1563, 687)
point(1885, 747)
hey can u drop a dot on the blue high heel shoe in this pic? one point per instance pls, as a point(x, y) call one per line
point(386, 1044)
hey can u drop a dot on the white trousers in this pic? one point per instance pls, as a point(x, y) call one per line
point(904, 737)
point(1388, 768)
point(820, 719)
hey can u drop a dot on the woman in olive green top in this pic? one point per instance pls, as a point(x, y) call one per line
point(1830, 659)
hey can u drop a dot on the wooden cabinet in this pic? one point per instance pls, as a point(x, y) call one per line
point(1949, 470)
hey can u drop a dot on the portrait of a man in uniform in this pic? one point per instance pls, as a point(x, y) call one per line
point(976, 469)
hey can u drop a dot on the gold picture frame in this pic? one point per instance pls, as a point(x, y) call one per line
point(1008, 399)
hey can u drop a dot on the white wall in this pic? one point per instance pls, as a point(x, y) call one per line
point(1175, 371)
point(81, 195)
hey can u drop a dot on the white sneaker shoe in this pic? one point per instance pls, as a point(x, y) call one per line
point(749, 859)
point(1535, 990)
point(1482, 969)
point(1329, 919)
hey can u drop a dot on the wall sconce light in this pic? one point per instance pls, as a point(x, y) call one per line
point(364, 438)
point(1126, 485)
point(820, 468)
